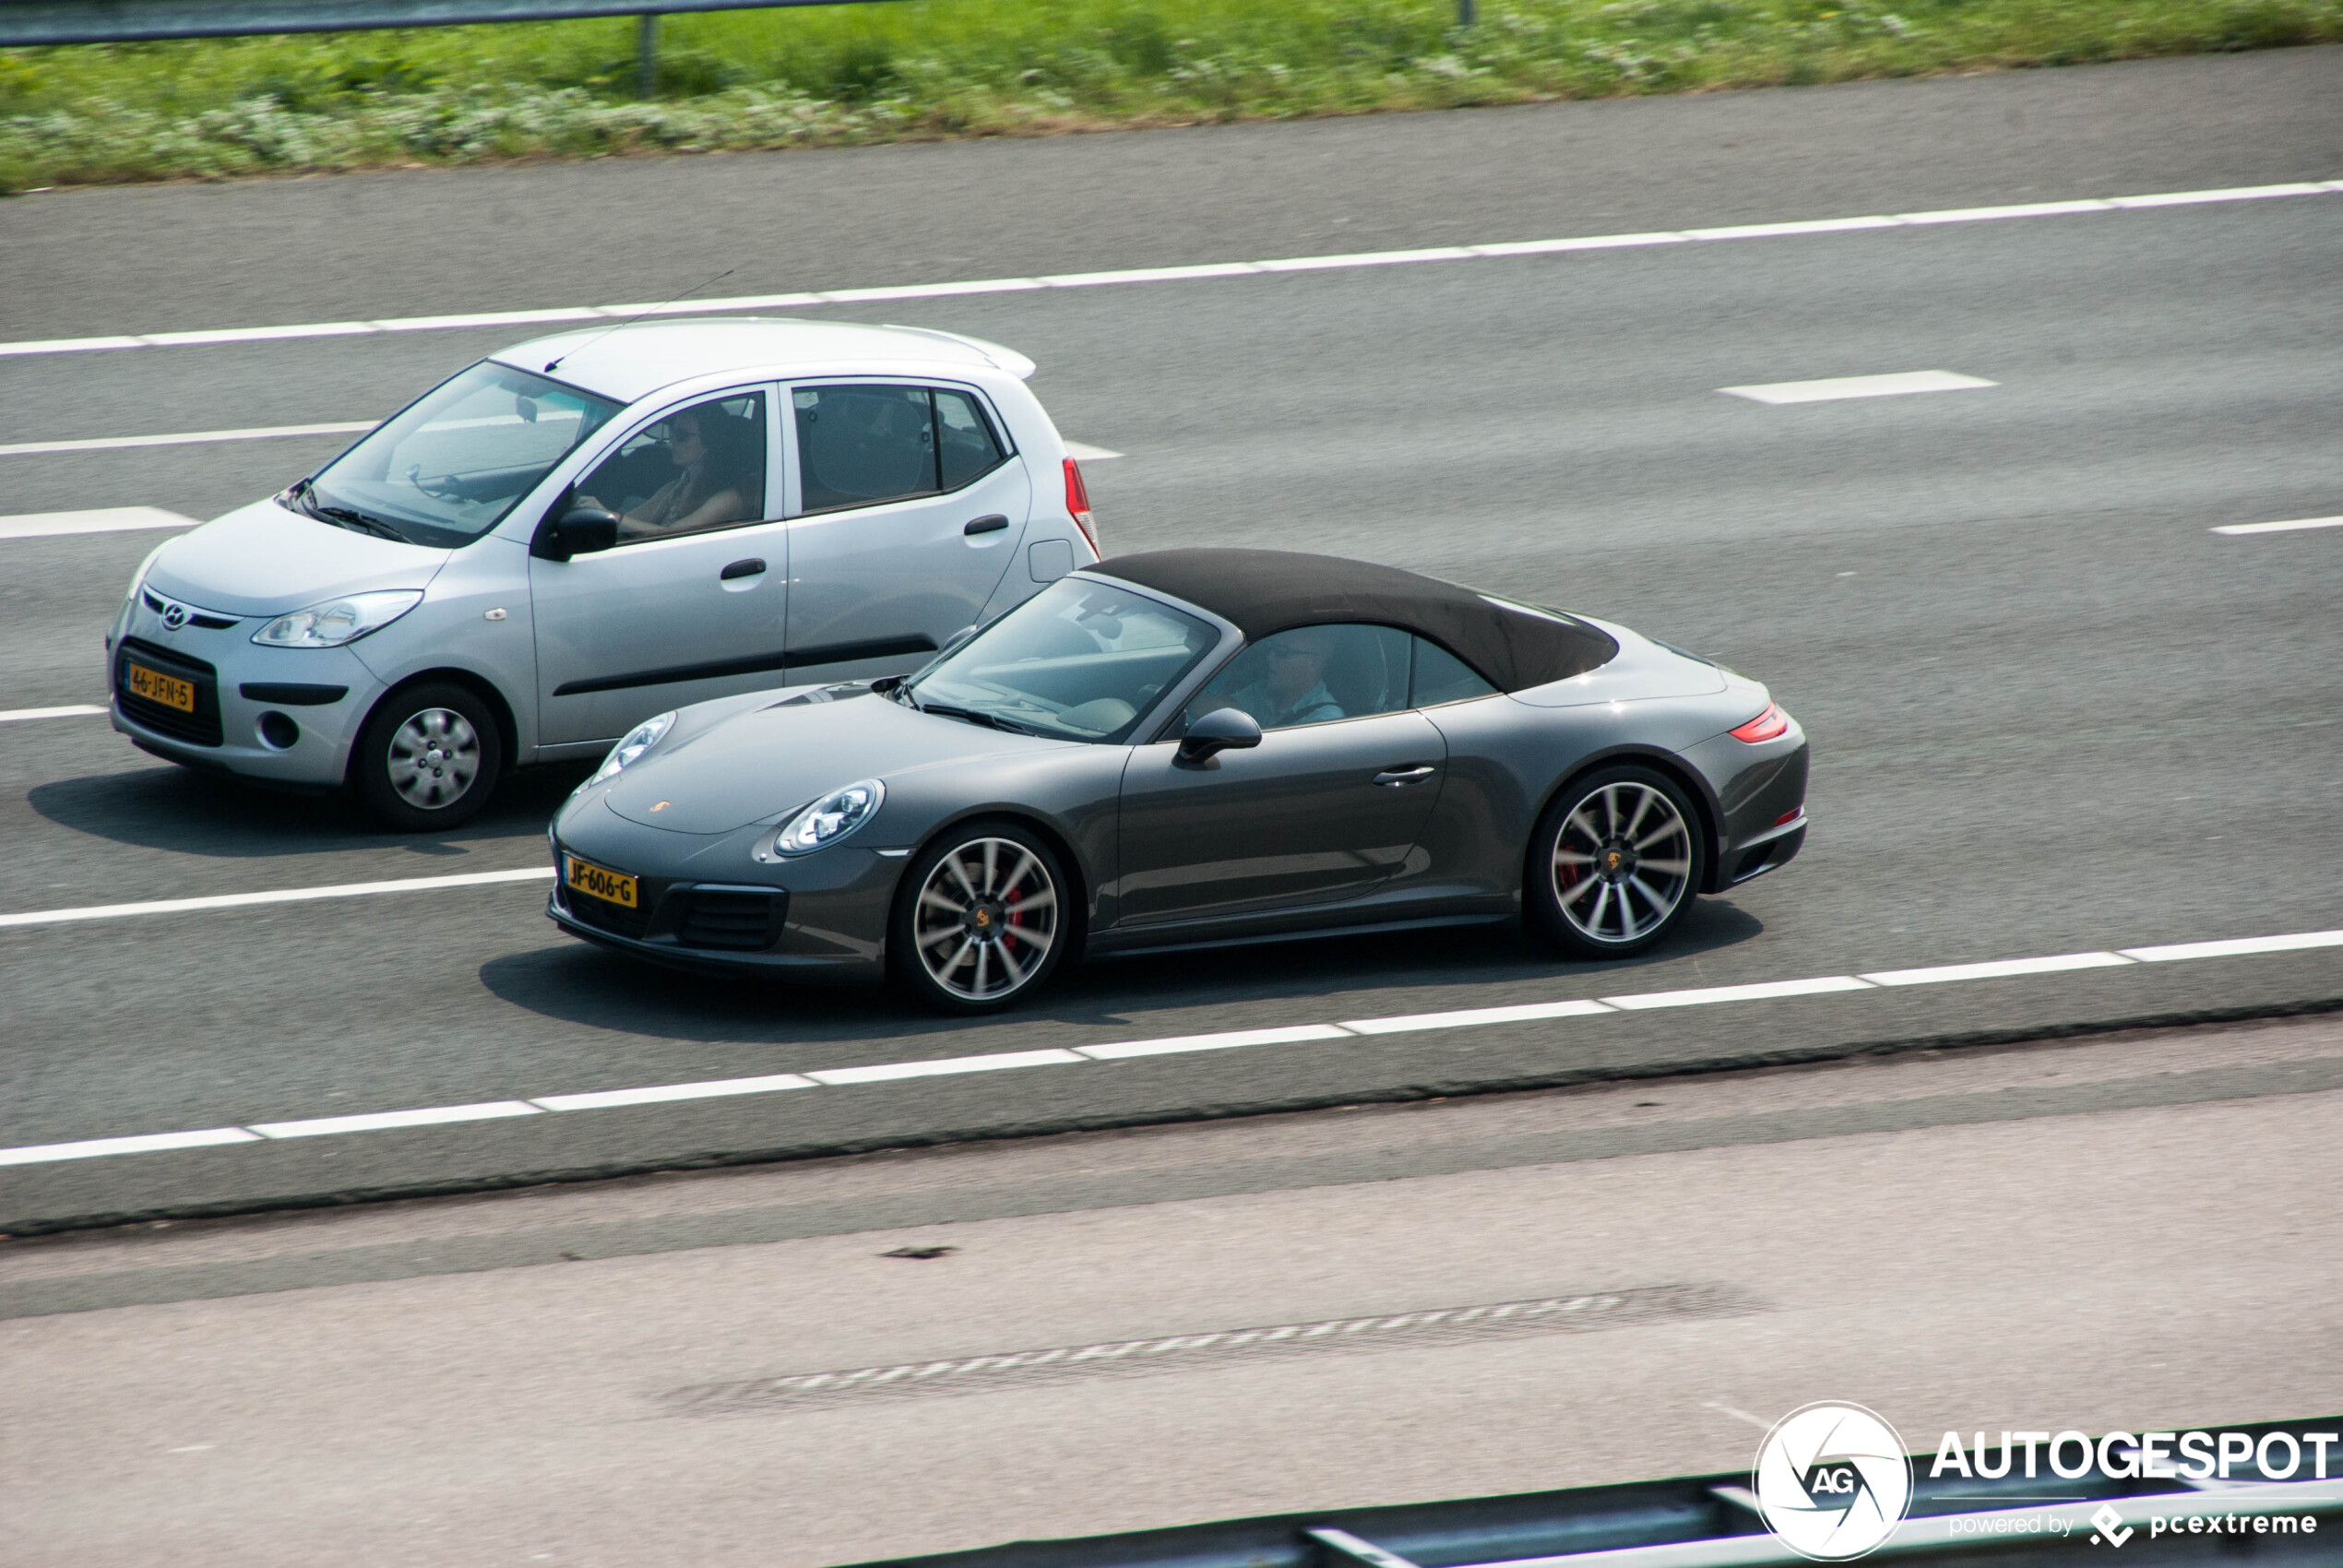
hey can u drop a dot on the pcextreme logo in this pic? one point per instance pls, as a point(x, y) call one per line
point(1832, 1481)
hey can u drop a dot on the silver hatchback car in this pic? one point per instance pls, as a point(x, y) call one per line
point(588, 528)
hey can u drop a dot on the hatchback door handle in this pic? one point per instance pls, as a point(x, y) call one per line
point(1396, 777)
point(747, 568)
point(993, 524)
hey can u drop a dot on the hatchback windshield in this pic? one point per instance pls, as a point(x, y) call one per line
point(447, 468)
point(1079, 659)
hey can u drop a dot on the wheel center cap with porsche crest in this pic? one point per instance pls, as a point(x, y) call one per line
point(983, 918)
point(1616, 861)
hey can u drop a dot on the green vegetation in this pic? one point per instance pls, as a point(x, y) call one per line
point(831, 76)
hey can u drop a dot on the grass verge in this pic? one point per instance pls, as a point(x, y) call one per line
point(928, 68)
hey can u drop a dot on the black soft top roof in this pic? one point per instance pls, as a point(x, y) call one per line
point(1262, 591)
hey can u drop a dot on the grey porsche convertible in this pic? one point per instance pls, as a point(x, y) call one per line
point(1188, 748)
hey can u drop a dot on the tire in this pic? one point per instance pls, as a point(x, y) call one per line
point(980, 921)
point(429, 758)
point(1615, 864)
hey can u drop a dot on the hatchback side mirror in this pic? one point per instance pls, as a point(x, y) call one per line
point(1222, 730)
point(581, 530)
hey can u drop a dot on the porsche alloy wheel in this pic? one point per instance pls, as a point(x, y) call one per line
point(983, 919)
point(1618, 859)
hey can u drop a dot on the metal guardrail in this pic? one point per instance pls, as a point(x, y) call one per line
point(27, 23)
point(1711, 1522)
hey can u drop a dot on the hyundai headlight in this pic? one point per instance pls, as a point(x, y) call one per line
point(830, 818)
point(338, 622)
point(630, 748)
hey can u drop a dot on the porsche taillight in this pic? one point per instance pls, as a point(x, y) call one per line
point(1077, 503)
point(1764, 727)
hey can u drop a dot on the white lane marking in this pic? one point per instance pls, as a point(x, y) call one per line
point(182, 438)
point(149, 1143)
point(1303, 1033)
point(281, 896)
point(716, 1088)
point(1294, 1035)
point(2236, 947)
point(383, 1121)
point(1819, 986)
point(1472, 1017)
point(890, 1071)
point(1944, 973)
point(2267, 528)
point(78, 710)
point(107, 519)
point(1833, 389)
point(1088, 454)
point(1143, 275)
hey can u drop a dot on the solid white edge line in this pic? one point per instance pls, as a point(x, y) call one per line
point(18, 714)
point(1472, 1017)
point(2288, 526)
point(281, 896)
point(888, 1072)
point(1172, 274)
point(1765, 992)
point(2295, 943)
point(1944, 973)
point(145, 1143)
point(717, 1088)
point(1300, 1033)
point(386, 1121)
point(1291, 1035)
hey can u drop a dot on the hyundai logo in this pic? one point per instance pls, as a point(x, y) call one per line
point(174, 616)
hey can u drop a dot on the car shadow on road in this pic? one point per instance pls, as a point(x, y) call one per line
point(193, 813)
point(580, 984)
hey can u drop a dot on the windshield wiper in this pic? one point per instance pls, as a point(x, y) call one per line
point(974, 716)
point(343, 517)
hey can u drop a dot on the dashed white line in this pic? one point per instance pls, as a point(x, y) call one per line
point(1172, 274)
point(1088, 454)
point(280, 896)
point(106, 520)
point(185, 438)
point(72, 710)
point(894, 1072)
point(2288, 526)
point(1836, 388)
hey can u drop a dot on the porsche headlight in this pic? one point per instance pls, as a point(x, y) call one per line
point(338, 622)
point(630, 748)
point(830, 818)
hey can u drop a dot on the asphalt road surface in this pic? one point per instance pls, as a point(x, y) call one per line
point(2133, 1233)
point(2051, 711)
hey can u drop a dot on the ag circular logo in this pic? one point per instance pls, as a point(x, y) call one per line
point(1832, 1481)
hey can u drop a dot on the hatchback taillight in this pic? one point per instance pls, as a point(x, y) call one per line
point(1764, 727)
point(1077, 503)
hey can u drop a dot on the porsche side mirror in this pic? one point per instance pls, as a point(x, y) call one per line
point(1222, 730)
point(581, 530)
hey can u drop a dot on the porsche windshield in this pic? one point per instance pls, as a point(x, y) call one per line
point(1079, 660)
point(448, 466)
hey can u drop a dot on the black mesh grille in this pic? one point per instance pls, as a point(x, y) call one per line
point(738, 920)
point(200, 728)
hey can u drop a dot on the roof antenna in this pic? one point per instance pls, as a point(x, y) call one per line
point(647, 310)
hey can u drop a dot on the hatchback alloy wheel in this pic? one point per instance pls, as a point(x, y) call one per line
point(429, 758)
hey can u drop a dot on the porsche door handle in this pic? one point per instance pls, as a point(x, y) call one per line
point(1396, 778)
point(993, 524)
